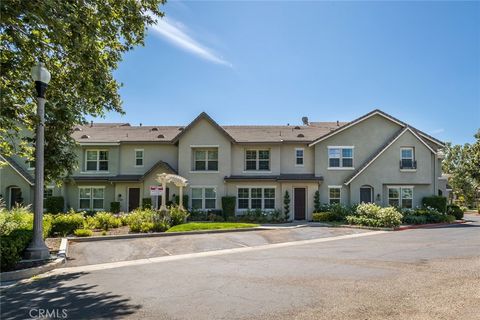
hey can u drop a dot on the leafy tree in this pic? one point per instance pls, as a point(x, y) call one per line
point(286, 207)
point(463, 165)
point(81, 43)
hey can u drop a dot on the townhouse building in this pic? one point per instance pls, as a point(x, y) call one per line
point(374, 158)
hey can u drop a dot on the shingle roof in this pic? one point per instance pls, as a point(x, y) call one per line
point(281, 177)
point(122, 133)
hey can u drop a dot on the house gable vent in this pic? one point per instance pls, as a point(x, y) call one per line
point(300, 135)
point(160, 136)
point(85, 136)
point(297, 128)
point(77, 129)
point(154, 129)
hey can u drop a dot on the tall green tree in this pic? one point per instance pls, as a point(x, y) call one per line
point(462, 163)
point(81, 43)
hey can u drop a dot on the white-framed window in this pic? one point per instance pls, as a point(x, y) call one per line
point(334, 194)
point(257, 160)
point(31, 164)
point(299, 157)
point(205, 159)
point(204, 198)
point(91, 198)
point(407, 158)
point(256, 198)
point(139, 157)
point(340, 157)
point(47, 192)
point(400, 196)
point(96, 160)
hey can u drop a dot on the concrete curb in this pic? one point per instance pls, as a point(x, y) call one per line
point(162, 234)
point(30, 272)
point(429, 225)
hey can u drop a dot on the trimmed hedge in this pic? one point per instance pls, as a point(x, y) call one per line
point(146, 203)
point(115, 207)
point(54, 205)
point(65, 224)
point(12, 247)
point(323, 217)
point(83, 233)
point(455, 211)
point(436, 202)
point(228, 206)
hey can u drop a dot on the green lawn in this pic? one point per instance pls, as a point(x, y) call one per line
point(191, 226)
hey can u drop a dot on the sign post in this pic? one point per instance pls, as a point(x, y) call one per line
point(155, 191)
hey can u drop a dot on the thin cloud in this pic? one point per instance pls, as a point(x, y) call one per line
point(176, 34)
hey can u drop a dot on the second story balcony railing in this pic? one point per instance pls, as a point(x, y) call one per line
point(408, 164)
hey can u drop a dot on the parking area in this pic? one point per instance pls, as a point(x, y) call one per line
point(96, 252)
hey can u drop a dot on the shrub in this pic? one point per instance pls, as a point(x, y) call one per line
point(177, 216)
point(455, 211)
point(65, 224)
point(146, 203)
point(449, 218)
point(147, 220)
point(316, 201)
point(228, 206)
point(115, 207)
point(340, 211)
point(198, 215)
point(286, 203)
point(372, 215)
point(175, 199)
point(431, 214)
point(12, 247)
point(83, 233)
point(54, 205)
point(437, 202)
point(413, 219)
point(213, 217)
point(323, 217)
point(106, 220)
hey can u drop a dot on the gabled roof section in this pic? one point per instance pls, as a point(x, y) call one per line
point(160, 164)
point(204, 116)
point(19, 169)
point(382, 149)
point(386, 116)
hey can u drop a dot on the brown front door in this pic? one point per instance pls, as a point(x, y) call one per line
point(299, 198)
point(133, 198)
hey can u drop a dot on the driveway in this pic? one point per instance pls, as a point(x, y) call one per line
point(95, 252)
point(414, 274)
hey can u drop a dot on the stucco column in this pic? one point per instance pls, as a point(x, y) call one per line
point(163, 207)
point(180, 199)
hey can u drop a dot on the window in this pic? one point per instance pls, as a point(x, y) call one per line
point(97, 160)
point(205, 159)
point(91, 198)
point(334, 194)
point(204, 198)
point(139, 157)
point(256, 198)
point(407, 158)
point(400, 197)
point(340, 157)
point(31, 164)
point(299, 157)
point(47, 192)
point(257, 160)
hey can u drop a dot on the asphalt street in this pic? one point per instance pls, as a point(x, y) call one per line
point(415, 274)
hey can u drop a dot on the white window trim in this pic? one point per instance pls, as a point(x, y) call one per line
point(250, 198)
point(203, 187)
point(91, 198)
point(257, 150)
point(206, 149)
point(335, 187)
point(29, 167)
point(98, 160)
point(303, 157)
point(412, 158)
point(143, 158)
point(341, 157)
point(401, 187)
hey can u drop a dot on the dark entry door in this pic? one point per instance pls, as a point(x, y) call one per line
point(133, 198)
point(299, 203)
point(366, 194)
point(15, 196)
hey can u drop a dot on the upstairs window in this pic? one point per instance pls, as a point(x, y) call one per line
point(407, 158)
point(340, 157)
point(299, 157)
point(138, 157)
point(257, 160)
point(97, 160)
point(205, 159)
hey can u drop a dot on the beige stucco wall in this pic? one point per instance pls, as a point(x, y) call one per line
point(113, 160)
point(385, 170)
point(204, 134)
point(152, 153)
point(10, 178)
point(288, 159)
point(238, 159)
point(72, 193)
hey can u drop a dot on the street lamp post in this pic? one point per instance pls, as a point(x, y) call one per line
point(37, 248)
